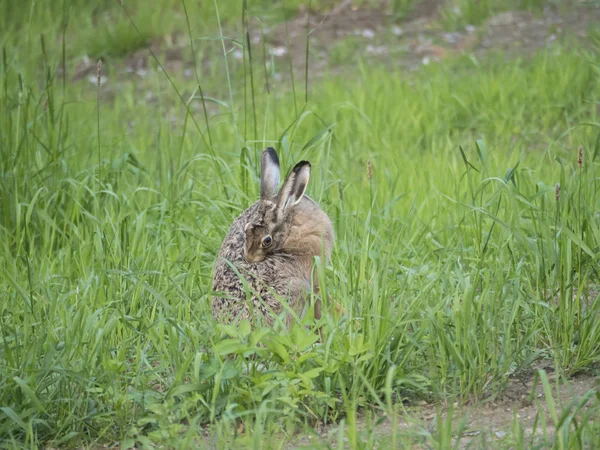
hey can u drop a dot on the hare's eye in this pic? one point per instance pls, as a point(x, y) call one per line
point(266, 241)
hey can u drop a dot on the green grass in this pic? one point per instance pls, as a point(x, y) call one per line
point(456, 264)
point(102, 30)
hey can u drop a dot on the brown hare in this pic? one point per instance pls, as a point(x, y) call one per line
point(272, 245)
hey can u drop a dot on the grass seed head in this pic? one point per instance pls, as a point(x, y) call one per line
point(580, 156)
point(369, 170)
point(557, 192)
point(99, 71)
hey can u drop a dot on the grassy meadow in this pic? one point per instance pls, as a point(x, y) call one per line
point(465, 199)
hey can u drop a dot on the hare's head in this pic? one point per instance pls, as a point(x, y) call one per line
point(268, 230)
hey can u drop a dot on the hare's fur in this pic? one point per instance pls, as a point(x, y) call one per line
point(300, 230)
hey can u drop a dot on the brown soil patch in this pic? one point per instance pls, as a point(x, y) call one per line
point(419, 38)
point(376, 36)
point(489, 421)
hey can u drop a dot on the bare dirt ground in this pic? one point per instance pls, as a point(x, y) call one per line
point(421, 37)
point(488, 424)
point(346, 33)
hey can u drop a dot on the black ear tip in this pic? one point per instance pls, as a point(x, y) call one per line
point(301, 165)
point(270, 153)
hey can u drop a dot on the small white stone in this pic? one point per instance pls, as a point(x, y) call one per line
point(368, 33)
point(278, 51)
point(451, 38)
point(376, 49)
point(397, 31)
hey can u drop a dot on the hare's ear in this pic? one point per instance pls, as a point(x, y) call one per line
point(269, 174)
point(294, 186)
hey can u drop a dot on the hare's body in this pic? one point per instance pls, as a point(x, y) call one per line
point(295, 229)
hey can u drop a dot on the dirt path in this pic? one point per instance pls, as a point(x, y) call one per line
point(487, 423)
point(421, 37)
point(346, 33)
